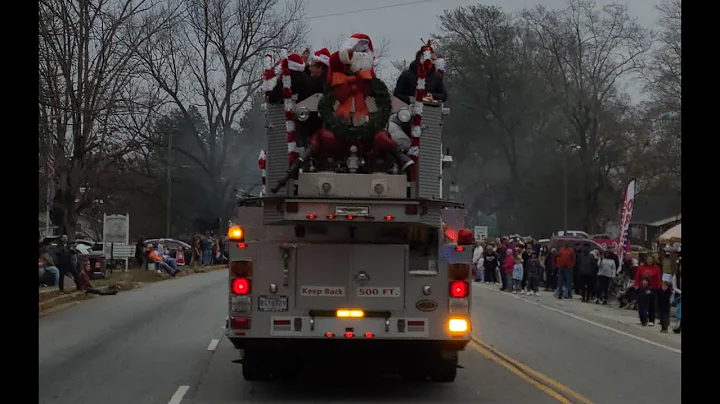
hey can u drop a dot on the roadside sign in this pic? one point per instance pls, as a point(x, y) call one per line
point(116, 230)
point(480, 232)
point(122, 251)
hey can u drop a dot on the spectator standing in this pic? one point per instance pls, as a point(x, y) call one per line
point(566, 262)
point(606, 273)
point(534, 270)
point(490, 264)
point(206, 245)
point(65, 262)
point(677, 285)
point(664, 298)
point(507, 264)
point(517, 274)
point(477, 259)
point(501, 254)
point(652, 273)
point(550, 270)
point(643, 301)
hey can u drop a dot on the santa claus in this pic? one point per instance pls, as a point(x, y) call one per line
point(357, 108)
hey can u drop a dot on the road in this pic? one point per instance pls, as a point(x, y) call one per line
point(163, 344)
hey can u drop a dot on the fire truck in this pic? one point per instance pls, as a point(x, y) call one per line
point(345, 265)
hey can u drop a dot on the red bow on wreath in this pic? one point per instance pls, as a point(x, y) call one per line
point(348, 88)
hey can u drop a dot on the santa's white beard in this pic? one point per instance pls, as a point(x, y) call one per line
point(361, 61)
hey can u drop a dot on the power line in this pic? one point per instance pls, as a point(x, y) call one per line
point(362, 10)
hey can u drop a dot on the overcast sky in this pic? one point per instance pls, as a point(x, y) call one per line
point(403, 25)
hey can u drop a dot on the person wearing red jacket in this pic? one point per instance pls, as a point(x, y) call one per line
point(652, 272)
point(507, 267)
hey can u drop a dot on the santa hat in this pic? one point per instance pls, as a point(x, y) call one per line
point(322, 56)
point(356, 53)
point(359, 43)
point(296, 63)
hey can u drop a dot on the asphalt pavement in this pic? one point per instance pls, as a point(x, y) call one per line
point(164, 343)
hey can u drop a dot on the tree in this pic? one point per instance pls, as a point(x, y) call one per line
point(85, 54)
point(213, 59)
point(584, 52)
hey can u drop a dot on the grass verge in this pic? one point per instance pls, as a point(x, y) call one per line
point(50, 300)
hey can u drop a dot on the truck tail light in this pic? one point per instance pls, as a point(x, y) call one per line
point(458, 325)
point(465, 237)
point(236, 233)
point(240, 323)
point(240, 286)
point(459, 289)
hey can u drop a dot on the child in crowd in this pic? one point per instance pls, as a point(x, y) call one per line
point(534, 269)
point(644, 300)
point(665, 296)
point(517, 274)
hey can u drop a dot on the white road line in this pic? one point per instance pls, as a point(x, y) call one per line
point(213, 344)
point(179, 394)
point(603, 326)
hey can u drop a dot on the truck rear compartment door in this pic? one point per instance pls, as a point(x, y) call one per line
point(323, 278)
point(378, 276)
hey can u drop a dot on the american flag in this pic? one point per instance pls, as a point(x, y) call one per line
point(51, 176)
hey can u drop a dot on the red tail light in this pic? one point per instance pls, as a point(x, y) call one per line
point(240, 286)
point(450, 234)
point(465, 237)
point(291, 207)
point(240, 323)
point(459, 289)
point(311, 216)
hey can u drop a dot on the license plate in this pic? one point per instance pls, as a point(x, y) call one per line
point(273, 303)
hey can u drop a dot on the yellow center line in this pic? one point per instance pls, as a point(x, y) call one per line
point(553, 388)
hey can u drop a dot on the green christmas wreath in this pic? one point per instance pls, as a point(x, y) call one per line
point(344, 130)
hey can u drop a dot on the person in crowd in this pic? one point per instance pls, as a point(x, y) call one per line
point(490, 264)
point(140, 257)
point(524, 252)
point(206, 247)
point(46, 256)
point(652, 273)
point(164, 252)
point(85, 284)
point(517, 274)
point(160, 264)
point(534, 269)
point(606, 273)
point(566, 262)
point(196, 250)
point(501, 255)
point(477, 259)
point(643, 301)
point(550, 270)
point(585, 269)
point(64, 254)
point(628, 269)
point(536, 247)
point(664, 301)
point(677, 285)
point(507, 264)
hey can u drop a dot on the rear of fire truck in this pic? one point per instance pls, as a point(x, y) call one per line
point(355, 269)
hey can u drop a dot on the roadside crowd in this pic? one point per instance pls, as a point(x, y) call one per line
point(62, 260)
point(576, 269)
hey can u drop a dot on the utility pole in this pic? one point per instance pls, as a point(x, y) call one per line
point(565, 147)
point(168, 212)
point(565, 193)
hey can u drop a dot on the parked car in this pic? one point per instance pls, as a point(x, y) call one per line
point(172, 245)
point(572, 233)
point(605, 240)
point(94, 253)
point(555, 242)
